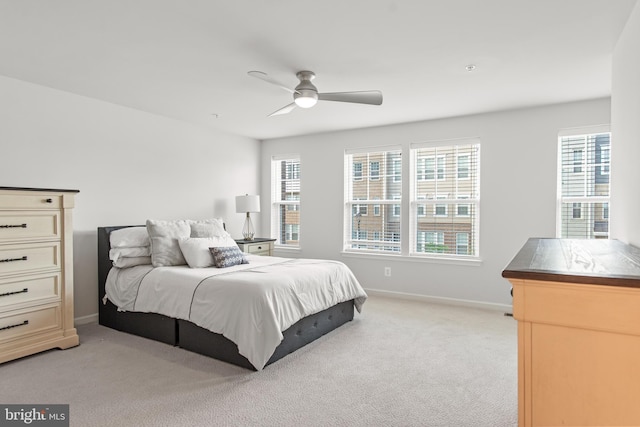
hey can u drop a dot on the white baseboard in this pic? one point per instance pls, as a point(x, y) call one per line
point(92, 318)
point(506, 308)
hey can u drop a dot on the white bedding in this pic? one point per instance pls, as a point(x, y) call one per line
point(250, 304)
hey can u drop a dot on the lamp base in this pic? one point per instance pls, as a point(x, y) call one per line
point(248, 231)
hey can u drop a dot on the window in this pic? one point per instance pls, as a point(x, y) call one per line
point(434, 214)
point(285, 200)
point(422, 166)
point(290, 197)
point(357, 171)
point(577, 211)
point(605, 160)
point(463, 209)
point(397, 170)
point(441, 167)
point(583, 183)
point(450, 226)
point(439, 209)
point(462, 243)
point(396, 208)
point(463, 166)
point(430, 242)
point(380, 194)
point(359, 210)
point(374, 170)
point(422, 208)
point(577, 161)
point(292, 231)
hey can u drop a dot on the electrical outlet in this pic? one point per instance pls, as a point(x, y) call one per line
point(387, 271)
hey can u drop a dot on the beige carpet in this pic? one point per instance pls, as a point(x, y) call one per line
point(399, 363)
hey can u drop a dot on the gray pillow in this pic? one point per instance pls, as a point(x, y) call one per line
point(164, 237)
point(227, 256)
point(208, 228)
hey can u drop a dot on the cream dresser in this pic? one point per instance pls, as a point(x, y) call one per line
point(36, 271)
point(577, 303)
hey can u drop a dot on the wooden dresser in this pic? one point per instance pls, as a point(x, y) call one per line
point(36, 271)
point(577, 303)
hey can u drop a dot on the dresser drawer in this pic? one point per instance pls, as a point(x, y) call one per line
point(30, 201)
point(22, 291)
point(17, 225)
point(29, 257)
point(25, 322)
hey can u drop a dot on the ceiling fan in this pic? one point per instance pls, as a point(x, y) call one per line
point(305, 95)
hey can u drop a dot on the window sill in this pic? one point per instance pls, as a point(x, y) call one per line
point(473, 262)
point(285, 249)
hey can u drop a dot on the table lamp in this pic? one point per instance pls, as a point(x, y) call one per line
point(247, 204)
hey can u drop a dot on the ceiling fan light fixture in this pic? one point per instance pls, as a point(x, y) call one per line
point(306, 98)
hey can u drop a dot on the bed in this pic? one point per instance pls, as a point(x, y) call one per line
point(192, 332)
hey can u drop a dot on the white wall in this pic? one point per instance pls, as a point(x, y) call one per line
point(518, 194)
point(625, 128)
point(128, 165)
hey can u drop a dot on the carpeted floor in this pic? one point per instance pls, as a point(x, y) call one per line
point(399, 363)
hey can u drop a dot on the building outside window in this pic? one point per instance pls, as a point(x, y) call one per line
point(285, 200)
point(583, 183)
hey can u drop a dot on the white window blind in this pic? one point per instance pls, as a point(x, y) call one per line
point(583, 185)
point(285, 200)
point(445, 198)
point(373, 199)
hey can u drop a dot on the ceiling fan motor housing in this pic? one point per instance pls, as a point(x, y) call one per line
point(306, 94)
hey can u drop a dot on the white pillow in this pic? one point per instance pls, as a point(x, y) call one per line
point(129, 237)
point(129, 252)
point(132, 261)
point(196, 249)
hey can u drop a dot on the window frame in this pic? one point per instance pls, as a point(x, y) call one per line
point(406, 171)
point(451, 200)
point(281, 203)
point(390, 176)
point(580, 204)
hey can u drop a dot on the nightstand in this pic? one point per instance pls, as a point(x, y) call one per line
point(257, 246)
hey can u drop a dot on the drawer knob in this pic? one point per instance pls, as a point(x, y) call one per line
point(6, 294)
point(48, 200)
point(24, 258)
point(26, 322)
point(259, 247)
point(13, 226)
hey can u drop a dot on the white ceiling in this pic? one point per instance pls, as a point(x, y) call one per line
point(189, 59)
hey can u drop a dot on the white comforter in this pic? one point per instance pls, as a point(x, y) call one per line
point(250, 304)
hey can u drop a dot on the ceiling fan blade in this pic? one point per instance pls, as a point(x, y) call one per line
point(264, 76)
point(284, 110)
point(373, 97)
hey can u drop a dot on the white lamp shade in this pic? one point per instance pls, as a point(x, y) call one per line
point(247, 204)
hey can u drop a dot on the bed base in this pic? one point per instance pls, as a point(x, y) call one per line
point(308, 329)
point(191, 337)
